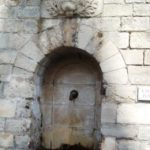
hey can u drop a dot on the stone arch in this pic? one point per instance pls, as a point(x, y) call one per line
point(77, 35)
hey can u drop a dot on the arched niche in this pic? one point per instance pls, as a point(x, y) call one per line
point(66, 120)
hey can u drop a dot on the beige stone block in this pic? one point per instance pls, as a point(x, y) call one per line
point(147, 58)
point(134, 57)
point(121, 93)
point(140, 40)
point(117, 10)
point(139, 74)
point(135, 23)
point(7, 108)
point(32, 51)
point(107, 50)
point(118, 76)
point(109, 143)
point(113, 63)
point(141, 9)
point(6, 140)
point(25, 63)
point(108, 113)
point(120, 39)
point(133, 114)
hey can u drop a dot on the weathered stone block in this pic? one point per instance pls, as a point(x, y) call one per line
point(120, 131)
point(133, 114)
point(32, 51)
point(108, 113)
point(7, 108)
point(2, 124)
point(140, 40)
point(134, 57)
point(108, 143)
point(139, 74)
point(118, 76)
point(18, 126)
point(6, 140)
point(19, 86)
point(117, 10)
point(7, 56)
point(147, 58)
point(141, 9)
point(22, 141)
point(107, 50)
point(25, 63)
point(120, 39)
point(144, 133)
point(121, 93)
point(135, 23)
point(113, 1)
point(113, 63)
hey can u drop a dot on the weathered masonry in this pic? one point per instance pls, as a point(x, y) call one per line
point(75, 73)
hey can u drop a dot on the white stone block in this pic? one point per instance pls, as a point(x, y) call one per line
point(139, 74)
point(141, 9)
point(133, 114)
point(113, 63)
point(147, 58)
point(140, 40)
point(121, 93)
point(134, 57)
point(135, 23)
point(109, 112)
point(107, 50)
point(144, 133)
point(120, 39)
point(118, 76)
point(135, 1)
point(117, 10)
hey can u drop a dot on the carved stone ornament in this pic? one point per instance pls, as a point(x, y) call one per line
point(70, 8)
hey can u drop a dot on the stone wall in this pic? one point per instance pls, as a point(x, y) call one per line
point(120, 41)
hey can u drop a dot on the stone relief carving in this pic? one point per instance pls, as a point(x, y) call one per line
point(70, 8)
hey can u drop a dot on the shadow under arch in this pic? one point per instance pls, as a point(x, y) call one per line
point(75, 65)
